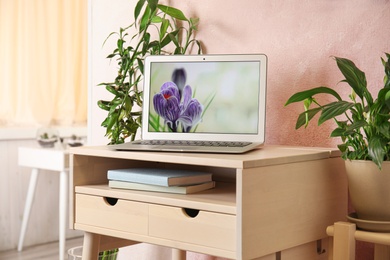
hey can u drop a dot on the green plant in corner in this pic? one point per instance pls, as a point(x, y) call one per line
point(159, 30)
point(363, 123)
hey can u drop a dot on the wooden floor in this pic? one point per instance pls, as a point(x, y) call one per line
point(48, 251)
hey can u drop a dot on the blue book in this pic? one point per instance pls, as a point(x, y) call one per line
point(157, 176)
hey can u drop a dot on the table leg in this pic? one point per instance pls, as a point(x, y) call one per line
point(27, 206)
point(63, 201)
point(178, 254)
point(91, 246)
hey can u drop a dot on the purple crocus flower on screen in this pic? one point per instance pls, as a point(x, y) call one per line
point(174, 103)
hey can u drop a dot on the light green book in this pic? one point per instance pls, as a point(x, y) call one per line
point(186, 189)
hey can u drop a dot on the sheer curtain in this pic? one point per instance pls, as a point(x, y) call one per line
point(43, 62)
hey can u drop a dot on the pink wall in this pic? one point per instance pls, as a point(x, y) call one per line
point(299, 38)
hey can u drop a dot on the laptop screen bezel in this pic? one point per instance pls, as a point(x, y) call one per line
point(255, 137)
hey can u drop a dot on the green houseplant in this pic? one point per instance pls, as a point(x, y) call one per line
point(363, 124)
point(159, 30)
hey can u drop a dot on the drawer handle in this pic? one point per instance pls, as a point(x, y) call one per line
point(192, 213)
point(110, 201)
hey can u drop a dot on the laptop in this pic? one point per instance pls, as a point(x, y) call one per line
point(202, 103)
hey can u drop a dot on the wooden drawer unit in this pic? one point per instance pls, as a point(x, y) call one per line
point(115, 214)
point(193, 226)
point(271, 203)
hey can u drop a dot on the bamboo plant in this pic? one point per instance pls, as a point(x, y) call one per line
point(159, 30)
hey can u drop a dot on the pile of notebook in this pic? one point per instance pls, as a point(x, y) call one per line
point(160, 180)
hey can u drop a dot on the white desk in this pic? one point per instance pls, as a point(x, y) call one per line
point(53, 159)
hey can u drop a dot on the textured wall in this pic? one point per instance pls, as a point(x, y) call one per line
point(298, 36)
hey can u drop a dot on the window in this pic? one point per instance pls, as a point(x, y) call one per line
point(43, 62)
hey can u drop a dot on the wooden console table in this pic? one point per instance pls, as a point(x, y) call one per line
point(271, 203)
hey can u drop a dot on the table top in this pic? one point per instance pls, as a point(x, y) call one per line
point(265, 156)
point(55, 159)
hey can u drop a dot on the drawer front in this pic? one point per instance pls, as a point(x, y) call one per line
point(191, 226)
point(112, 213)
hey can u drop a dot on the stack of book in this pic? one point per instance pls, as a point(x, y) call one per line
point(160, 180)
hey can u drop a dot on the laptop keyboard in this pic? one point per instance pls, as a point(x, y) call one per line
point(194, 143)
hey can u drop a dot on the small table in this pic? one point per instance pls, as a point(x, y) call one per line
point(54, 159)
point(270, 203)
point(345, 236)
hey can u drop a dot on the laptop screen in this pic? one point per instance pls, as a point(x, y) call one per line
point(205, 95)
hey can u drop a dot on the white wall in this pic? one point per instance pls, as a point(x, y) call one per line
point(104, 17)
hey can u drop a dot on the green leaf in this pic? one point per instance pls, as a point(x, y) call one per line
point(105, 105)
point(386, 64)
point(338, 132)
point(174, 40)
point(375, 150)
point(163, 28)
point(112, 90)
point(384, 129)
point(173, 12)
point(120, 44)
point(355, 78)
point(112, 120)
point(194, 23)
point(387, 98)
point(111, 55)
point(153, 4)
point(145, 19)
point(333, 110)
point(156, 19)
point(153, 44)
point(199, 47)
point(168, 38)
point(140, 65)
point(128, 105)
point(346, 130)
point(305, 117)
point(357, 125)
point(300, 96)
point(138, 8)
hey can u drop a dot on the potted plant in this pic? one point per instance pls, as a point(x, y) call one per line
point(363, 124)
point(159, 30)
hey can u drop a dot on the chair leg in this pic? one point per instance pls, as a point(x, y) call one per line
point(344, 241)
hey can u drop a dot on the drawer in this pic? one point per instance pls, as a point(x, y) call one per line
point(111, 213)
point(196, 227)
